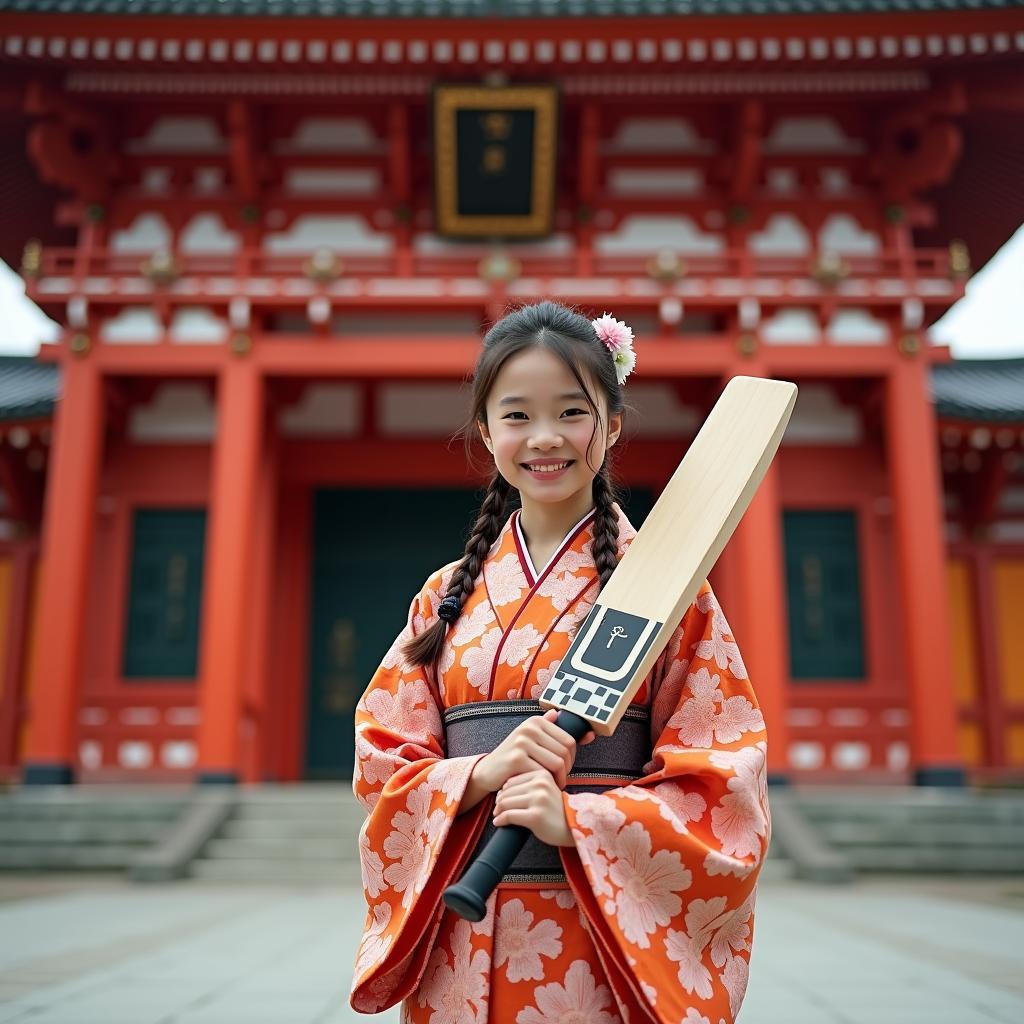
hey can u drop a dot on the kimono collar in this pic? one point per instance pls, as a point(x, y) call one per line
point(532, 575)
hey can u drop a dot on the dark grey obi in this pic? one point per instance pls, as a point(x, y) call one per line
point(610, 761)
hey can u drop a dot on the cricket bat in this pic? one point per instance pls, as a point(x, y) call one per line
point(652, 586)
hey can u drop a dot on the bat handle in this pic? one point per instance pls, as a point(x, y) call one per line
point(468, 896)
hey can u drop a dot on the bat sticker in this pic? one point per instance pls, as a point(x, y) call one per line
point(600, 664)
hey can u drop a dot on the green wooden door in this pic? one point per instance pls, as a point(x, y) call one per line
point(823, 589)
point(372, 551)
point(164, 594)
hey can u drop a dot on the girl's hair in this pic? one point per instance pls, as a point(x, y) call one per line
point(571, 337)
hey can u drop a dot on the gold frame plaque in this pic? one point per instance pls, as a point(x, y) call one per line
point(449, 100)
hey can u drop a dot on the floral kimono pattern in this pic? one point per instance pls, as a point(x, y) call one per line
point(655, 922)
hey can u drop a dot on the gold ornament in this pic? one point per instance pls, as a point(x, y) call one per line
point(80, 343)
point(161, 268)
point(323, 266)
point(746, 344)
point(499, 266)
point(830, 270)
point(241, 344)
point(666, 266)
point(959, 259)
point(909, 345)
point(32, 258)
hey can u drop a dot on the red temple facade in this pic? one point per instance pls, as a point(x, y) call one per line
point(265, 333)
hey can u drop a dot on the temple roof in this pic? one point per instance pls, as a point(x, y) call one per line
point(493, 8)
point(980, 389)
point(28, 389)
point(990, 390)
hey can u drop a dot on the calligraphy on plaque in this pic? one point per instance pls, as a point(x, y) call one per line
point(494, 160)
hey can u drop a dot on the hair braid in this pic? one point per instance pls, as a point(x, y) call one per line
point(605, 545)
point(426, 648)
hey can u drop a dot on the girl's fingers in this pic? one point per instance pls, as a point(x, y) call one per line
point(548, 761)
point(504, 803)
point(560, 736)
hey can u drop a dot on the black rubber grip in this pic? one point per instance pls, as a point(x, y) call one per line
point(468, 896)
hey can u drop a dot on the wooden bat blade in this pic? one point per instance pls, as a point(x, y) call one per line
point(670, 557)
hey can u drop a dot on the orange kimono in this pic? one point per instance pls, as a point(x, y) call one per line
point(655, 919)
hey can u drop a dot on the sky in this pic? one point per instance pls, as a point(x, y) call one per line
point(987, 323)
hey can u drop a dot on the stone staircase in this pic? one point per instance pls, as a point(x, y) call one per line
point(287, 834)
point(84, 828)
point(892, 829)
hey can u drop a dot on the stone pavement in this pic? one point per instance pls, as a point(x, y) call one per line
point(87, 951)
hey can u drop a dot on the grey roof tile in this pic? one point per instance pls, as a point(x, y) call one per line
point(28, 388)
point(490, 8)
point(980, 389)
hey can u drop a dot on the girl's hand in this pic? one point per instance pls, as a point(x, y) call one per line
point(534, 801)
point(536, 744)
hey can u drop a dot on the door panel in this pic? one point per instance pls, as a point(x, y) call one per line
point(372, 551)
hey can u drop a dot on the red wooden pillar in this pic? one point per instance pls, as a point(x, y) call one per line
point(757, 610)
point(260, 718)
point(227, 622)
point(69, 527)
point(12, 697)
point(917, 517)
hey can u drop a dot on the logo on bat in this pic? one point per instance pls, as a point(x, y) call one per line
point(617, 631)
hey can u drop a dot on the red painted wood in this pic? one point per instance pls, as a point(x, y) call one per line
point(228, 568)
point(23, 555)
point(917, 508)
point(68, 534)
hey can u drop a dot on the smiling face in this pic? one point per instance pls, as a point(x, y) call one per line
point(543, 435)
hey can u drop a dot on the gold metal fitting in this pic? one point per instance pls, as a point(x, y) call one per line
point(746, 344)
point(830, 269)
point(959, 259)
point(323, 265)
point(32, 258)
point(241, 344)
point(161, 268)
point(499, 266)
point(80, 343)
point(909, 344)
point(666, 266)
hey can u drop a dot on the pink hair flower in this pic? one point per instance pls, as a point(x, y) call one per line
point(614, 333)
point(617, 337)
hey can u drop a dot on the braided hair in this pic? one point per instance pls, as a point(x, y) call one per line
point(569, 335)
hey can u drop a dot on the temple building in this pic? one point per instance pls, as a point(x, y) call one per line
point(273, 233)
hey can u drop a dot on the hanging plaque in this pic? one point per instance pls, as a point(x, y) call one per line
point(494, 160)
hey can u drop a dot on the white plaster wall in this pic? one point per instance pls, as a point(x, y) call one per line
point(177, 413)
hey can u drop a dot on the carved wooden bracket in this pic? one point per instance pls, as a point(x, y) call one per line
point(917, 147)
point(71, 145)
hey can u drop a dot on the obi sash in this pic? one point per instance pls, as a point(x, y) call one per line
point(610, 761)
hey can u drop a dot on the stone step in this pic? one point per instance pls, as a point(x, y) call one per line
point(23, 810)
point(299, 848)
point(273, 828)
point(283, 872)
point(969, 810)
point(90, 832)
point(932, 859)
point(45, 857)
point(992, 835)
point(327, 814)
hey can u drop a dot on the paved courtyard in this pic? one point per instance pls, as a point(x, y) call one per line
point(76, 951)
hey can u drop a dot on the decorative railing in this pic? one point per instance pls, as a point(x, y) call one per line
point(885, 277)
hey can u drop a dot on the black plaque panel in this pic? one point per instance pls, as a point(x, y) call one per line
point(494, 160)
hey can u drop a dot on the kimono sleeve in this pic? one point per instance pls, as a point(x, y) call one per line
point(413, 841)
point(665, 869)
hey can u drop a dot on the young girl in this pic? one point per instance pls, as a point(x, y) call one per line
point(638, 902)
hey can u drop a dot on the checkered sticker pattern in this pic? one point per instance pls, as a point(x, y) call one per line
point(582, 696)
